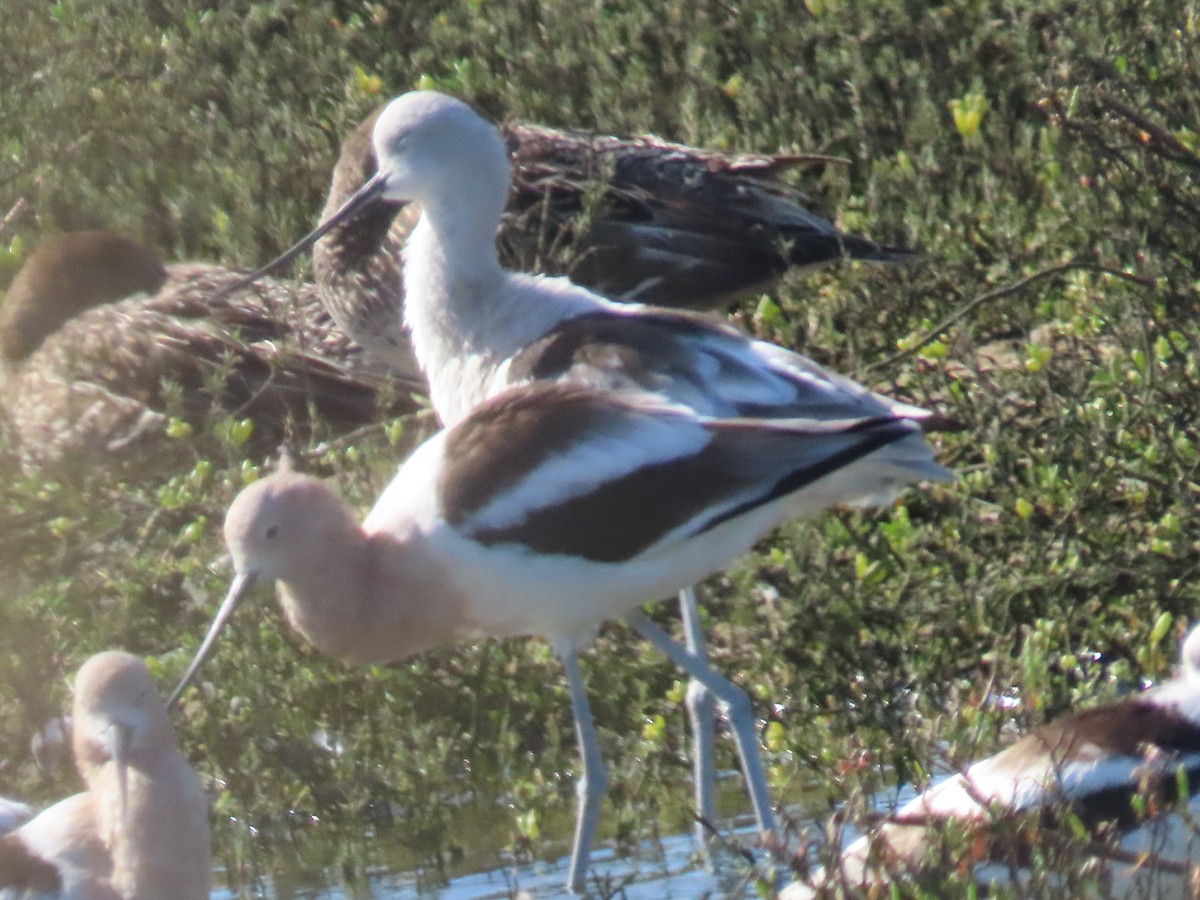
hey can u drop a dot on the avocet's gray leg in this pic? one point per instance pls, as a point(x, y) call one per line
point(701, 708)
point(737, 707)
point(593, 780)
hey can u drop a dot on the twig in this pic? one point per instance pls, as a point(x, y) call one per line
point(1106, 851)
point(12, 215)
point(729, 846)
point(417, 416)
point(1177, 151)
point(1000, 292)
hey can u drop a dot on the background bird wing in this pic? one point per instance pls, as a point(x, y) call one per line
point(649, 220)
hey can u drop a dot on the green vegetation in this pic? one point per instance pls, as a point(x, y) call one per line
point(1043, 155)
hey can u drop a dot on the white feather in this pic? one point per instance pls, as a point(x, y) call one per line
point(605, 454)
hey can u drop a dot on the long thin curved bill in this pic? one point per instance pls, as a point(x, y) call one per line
point(359, 201)
point(240, 588)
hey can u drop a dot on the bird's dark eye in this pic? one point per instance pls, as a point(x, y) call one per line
point(272, 531)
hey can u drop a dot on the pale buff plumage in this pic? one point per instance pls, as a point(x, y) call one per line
point(140, 831)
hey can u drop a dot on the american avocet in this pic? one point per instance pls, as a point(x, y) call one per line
point(478, 328)
point(102, 344)
point(548, 510)
point(1091, 762)
point(638, 219)
point(141, 828)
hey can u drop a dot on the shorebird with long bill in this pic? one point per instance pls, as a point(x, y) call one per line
point(641, 220)
point(548, 510)
point(478, 329)
point(102, 345)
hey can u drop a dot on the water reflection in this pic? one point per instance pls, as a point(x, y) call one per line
point(666, 867)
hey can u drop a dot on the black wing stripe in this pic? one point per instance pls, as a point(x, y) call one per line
point(800, 478)
point(1115, 803)
point(625, 517)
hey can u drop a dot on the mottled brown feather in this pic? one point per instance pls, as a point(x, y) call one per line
point(65, 276)
point(661, 222)
point(357, 264)
point(107, 379)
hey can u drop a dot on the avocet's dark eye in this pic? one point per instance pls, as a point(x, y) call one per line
point(272, 531)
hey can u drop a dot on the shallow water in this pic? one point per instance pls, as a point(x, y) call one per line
point(666, 867)
point(659, 869)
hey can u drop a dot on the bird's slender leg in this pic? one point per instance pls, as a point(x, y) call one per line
point(701, 708)
point(737, 707)
point(593, 780)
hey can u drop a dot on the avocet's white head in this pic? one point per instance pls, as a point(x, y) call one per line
point(436, 151)
point(431, 147)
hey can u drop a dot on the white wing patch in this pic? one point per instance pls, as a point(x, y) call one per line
point(603, 455)
point(410, 497)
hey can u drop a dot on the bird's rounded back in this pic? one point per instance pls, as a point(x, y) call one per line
point(65, 276)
